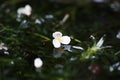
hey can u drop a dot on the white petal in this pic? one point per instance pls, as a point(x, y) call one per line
point(111, 68)
point(5, 48)
point(20, 10)
point(56, 34)
point(38, 63)
point(65, 40)
point(56, 43)
point(25, 10)
point(118, 35)
point(68, 48)
point(100, 42)
point(78, 47)
point(28, 7)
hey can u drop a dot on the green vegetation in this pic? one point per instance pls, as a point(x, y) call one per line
point(28, 37)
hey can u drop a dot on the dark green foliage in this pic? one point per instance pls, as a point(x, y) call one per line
point(27, 40)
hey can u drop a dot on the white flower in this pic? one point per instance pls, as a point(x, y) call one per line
point(118, 35)
point(37, 21)
point(115, 6)
point(111, 69)
point(59, 39)
point(38, 63)
point(2, 46)
point(25, 10)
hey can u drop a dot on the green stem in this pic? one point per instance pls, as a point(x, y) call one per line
point(117, 53)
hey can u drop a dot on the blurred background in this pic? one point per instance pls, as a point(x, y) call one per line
point(23, 38)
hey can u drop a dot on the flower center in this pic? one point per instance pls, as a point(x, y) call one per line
point(58, 38)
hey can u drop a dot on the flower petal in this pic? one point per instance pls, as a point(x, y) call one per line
point(20, 10)
point(78, 47)
point(100, 42)
point(56, 43)
point(27, 10)
point(118, 35)
point(65, 40)
point(28, 7)
point(38, 62)
point(57, 34)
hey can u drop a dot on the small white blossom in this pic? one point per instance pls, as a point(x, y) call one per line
point(99, 1)
point(38, 63)
point(115, 6)
point(118, 35)
point(59, 39)
point(25, 10)
point(37, 21)
point(111, 69)
point(12, 62)
point(2, 46)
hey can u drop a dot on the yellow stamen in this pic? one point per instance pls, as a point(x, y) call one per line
point(58, 38)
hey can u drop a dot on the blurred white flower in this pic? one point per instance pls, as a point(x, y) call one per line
point(24, 10)
point(115, 6)
point(6, 52)
point(111, 69)
point(12, 62)
point(37, 21)
point(2, 46)
point(38, 63)
point(59, 39)
point(118, 35)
